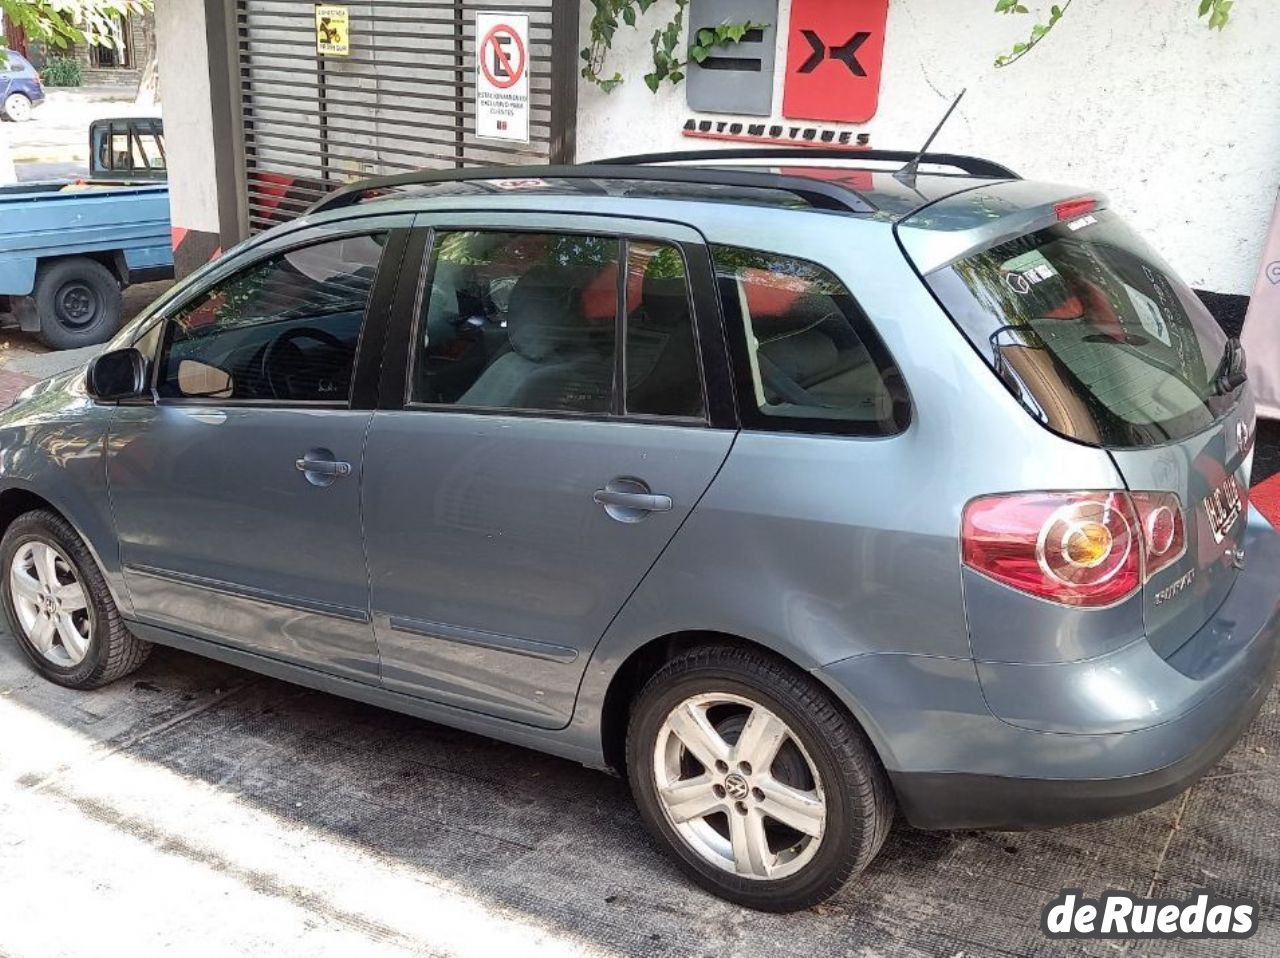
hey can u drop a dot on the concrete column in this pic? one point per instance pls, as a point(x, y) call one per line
point(204, 141)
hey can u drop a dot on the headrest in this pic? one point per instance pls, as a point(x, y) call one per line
point(802, 356)
point(545, 312)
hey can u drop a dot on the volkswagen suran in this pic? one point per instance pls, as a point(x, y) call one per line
point(800, 493)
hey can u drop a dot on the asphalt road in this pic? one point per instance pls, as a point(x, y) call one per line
point(196, 809)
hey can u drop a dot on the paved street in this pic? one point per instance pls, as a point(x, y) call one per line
point(194, 803)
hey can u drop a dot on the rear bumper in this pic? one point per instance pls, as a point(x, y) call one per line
point(954, 764)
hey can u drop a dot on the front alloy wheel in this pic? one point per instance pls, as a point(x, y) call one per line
point(52, 609)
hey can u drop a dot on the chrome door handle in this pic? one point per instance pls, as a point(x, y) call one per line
point(323, 468)
point(639, 501)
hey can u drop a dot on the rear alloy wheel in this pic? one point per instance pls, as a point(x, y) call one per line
point(753, 807)
point(17, 107)
point(763, 788)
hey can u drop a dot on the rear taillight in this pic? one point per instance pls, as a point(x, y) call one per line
point(1084, 549)
point(1164, 531)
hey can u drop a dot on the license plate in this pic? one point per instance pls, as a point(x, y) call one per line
point(1223, 506)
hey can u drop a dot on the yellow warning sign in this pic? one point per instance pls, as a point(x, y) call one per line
point(333, 37)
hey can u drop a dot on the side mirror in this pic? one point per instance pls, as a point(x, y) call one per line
point(201, 381)
point(118, 374)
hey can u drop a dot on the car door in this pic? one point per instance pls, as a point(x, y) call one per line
point(236, 491)
point(515, 492)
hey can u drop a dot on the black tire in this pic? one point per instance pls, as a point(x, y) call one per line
point(78, 303)
point(859, 800)
point(113, 650)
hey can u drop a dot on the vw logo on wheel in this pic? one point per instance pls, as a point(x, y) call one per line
point(736, 786)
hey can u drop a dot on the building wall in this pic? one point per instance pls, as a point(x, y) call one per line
point(1180, 126)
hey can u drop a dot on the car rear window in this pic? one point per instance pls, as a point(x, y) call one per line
point(1093, 331)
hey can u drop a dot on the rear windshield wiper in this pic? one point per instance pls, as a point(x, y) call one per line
point(1231, 372)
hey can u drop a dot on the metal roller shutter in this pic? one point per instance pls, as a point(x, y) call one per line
point(403, 100)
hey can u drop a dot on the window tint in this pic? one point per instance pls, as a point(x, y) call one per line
point(519, 321)
point(662, 358)
point(1111, 347)
point(284, 329)
point(813, 357)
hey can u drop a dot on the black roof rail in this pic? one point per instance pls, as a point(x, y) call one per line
point(821, 194)
point(973, 165)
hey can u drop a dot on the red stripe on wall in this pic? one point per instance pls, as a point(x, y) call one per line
point(1266, 496)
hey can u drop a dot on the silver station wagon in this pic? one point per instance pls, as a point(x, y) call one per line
point(797, 491)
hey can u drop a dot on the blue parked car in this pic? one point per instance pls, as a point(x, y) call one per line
point(20, 87)
point(795, 494)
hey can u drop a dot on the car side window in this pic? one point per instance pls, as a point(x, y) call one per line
point(284, 329)
point(663, 373)
point(815, 361)
point(518, 321)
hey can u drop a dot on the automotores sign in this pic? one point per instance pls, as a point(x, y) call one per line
point(502, 76)
point(834, 53)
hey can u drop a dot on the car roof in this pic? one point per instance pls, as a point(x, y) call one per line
point(949, 203)
point(17, 57)
point(882, 185)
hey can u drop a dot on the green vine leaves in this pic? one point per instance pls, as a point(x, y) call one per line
point(1218, 12)
point(669, 61)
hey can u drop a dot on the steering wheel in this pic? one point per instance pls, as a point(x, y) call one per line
point(283, 362)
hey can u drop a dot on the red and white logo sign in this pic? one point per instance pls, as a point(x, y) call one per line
point(502, 76)
point(835, 49)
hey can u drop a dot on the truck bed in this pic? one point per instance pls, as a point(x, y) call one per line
point(128, 224)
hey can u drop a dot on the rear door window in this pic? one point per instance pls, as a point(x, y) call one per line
point(1103, 342)
point(533, 321)
point(811, 361)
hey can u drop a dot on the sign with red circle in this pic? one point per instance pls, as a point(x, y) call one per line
point(500, 67)
point(502, 76)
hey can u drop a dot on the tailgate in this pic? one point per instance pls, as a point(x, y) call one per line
point(1209, 473)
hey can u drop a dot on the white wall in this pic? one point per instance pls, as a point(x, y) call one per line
point(182, 56)
point(1180, 126)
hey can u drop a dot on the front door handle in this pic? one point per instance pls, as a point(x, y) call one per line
point(321, 468)
point(643, 501)
point(630, 500)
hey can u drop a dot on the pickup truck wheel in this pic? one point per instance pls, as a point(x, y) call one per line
point(78, 302)
point(17, 107)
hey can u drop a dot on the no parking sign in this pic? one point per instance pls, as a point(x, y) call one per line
point(502, 76)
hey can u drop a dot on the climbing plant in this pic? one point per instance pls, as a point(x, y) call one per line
point(1218, 12)
point(669, 60)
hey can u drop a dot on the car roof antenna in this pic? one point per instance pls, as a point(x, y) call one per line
point(908, 173)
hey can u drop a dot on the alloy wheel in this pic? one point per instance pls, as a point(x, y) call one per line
point(738, 787)
point(51, 604)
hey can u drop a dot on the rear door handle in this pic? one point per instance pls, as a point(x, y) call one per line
point(324, 468)
point(640, 501)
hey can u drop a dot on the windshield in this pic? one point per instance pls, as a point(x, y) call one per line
point(1093, 331)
